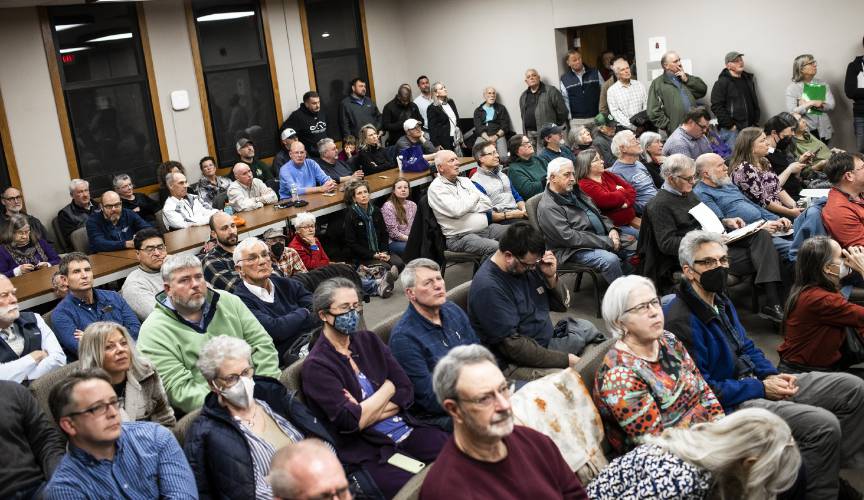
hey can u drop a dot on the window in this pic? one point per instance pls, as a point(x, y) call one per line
point(236, 71)
point(337, 50)
point(103, 76)
point(5, 178)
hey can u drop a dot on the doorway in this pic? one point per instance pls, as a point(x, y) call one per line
point(595, 40)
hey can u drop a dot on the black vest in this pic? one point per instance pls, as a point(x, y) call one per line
point(29, 329)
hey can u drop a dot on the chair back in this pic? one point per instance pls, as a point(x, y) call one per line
point(182, 426)
point(459, 295)
point(531, 209)
point(411, 489)
point(80, 242)
point(383, 329)
point(59, 238)
point(160, 222)
point(220, 200)
point(590, 361)
point(47, 319)
point(290, 378)
point(41, 387)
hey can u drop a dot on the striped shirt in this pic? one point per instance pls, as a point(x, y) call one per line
point(626, 101)
point(148, 463)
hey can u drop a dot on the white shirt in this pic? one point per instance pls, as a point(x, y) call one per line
point(423, 103)
point(624, 101)
point(459, 207)
point(262, 293)
point(182, 213)
point(26, 368)
point(255, 196)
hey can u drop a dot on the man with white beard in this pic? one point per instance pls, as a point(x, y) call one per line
point(28, 347)
point(487, 454)
point(716, 190)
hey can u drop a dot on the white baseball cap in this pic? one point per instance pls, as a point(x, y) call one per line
point(409, 124)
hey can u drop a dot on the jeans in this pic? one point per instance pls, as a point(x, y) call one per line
point(483, 243)
point(398, 247)
point(858, 121)
point(608, 263)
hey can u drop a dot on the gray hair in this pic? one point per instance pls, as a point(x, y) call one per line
point(409, 274)
point(616, 299)
point(169, 178)
point(77, 182)
point(323, 143)
point(675, 164)
point(666, 56)
point(174, 263)
point(216, 350)
point(447, 371)
point(91, 347)
point(798, 65)
point(691, 242)
point(244, 245)
point(620, 139)
point(304, 218)
point(555, 166)
point(573, 136)
point(702, 162)
point(303, 454)
point(322, 299)
point(646, 139)
point(120, 178)
point(720, 446)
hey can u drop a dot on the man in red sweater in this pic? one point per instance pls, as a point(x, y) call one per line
point(487, 456)
point(843, 215)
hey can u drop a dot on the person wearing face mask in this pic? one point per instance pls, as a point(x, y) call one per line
point(779, 130)
point(352, 379)
point(824, 410)
point(246, 418)
point(818, 316)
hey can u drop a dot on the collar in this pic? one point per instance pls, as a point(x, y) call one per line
point(80, 303)
point(211, 301)
point(848, 197)
point(667, 187)
point(298, 167)
point(414, 313)
point(89, 460)
point(580, 73)
point(262, 292)
point(696, 305)
point(491, 173)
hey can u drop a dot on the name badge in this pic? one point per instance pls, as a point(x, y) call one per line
point(540, 290)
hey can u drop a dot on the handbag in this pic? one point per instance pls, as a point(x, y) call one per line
point(412, 159)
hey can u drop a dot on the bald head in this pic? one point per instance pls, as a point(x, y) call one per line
point(243, 173)
point(447, 164)
point(307, 469)
point(711, 169)
point(111, 206)
point(297, 152)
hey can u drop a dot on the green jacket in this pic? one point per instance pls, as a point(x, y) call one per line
point(665, 108)
point(172, 345)
point(528, 177)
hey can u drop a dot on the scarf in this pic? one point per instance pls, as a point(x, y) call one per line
point(28, 254)
point(366, 217)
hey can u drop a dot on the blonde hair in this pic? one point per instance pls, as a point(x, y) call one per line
point(91, 347)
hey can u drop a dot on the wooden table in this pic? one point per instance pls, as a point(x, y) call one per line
point(35, 288)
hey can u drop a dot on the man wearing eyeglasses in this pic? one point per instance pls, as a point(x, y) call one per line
point(141, 286)
point(109, 458)
point(487, 454)
point(843, 214)
point(113, 227)
point(13, 203)
point(824, 410)
point(689, 138)
point(627, 151)
point(495, 184)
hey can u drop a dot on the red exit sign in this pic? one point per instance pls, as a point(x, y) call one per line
point(67, 58)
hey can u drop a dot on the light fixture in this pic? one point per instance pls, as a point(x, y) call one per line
point(64, 27)
point(109, 38)
point(326, 34)
point(73, 49)
point(224, 16)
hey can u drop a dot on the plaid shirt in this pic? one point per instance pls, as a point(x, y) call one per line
point(219, 270)
point(290, 263)
point(624, 102)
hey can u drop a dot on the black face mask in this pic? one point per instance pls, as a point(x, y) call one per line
point(278, 249)
point(714, 280)
point(784, 143)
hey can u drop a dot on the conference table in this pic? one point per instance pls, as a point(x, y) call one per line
point(34, 288)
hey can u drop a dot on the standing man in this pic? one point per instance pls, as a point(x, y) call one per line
point(734, 100)
point(539, 104)
point(13, 203)
point(673, 93)
point(114, 226)
point(398, 110)
point(853, 86)
point(75, 214)
point(424, 100)
point(246, 152)
point(357, 110)
point(580, 87)
point(309, 122)
point(626, 97)
point(141, 286)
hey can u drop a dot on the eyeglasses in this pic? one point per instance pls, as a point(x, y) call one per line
point(111, 206)
point(528, 265)
point(256, 257)
point(690, 178)
point(340, 493)
point(644, 306)
point(153, 249)
point(494, 153)
point(97, 410)
point(712, 262)
point(232, 379)
point(526, 143)
point(13, 198)
point(490, 398)
point(304, 228)
point(344, 309)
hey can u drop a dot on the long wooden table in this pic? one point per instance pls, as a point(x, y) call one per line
point(35, 288)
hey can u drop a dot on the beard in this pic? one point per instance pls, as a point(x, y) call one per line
point(501, 427)
point(192, 304)
point(721, 181)
point(9, 313)
point(230, 241)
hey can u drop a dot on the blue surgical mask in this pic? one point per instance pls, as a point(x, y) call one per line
point(346, 323)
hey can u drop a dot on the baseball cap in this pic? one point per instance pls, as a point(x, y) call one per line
point(549, 129)
point(273, 233)
point(287, 133)
point(409, 124)
point(243, 142)
point(731, 56)
point(607, 120)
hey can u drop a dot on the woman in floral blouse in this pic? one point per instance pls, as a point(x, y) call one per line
point(752, 173)
point(398, 214)
point(647, 382)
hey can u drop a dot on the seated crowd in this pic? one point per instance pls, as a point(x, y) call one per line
point(256, 355)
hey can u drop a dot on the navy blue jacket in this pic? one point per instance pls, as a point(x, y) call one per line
point(287, 317)
point(581, 96)
point(217, 449)
point(700, 328)
point(107, 237)
point(73, 314)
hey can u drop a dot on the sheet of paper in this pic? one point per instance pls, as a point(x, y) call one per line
point(814, 193)
point(707, 218)
point(744, 231)
point(656, 47)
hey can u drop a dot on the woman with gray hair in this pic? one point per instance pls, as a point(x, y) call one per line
point(652, 155)
point(811, 97)
point(580, 139)
point(245, 419)
point(749, 454)
point(109, 346)
point(22, 250)
point(648, 382)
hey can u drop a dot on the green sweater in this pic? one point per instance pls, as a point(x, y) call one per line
point(528, 177)
point(172, 345)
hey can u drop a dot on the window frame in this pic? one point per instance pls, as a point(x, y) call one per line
point(8, 152)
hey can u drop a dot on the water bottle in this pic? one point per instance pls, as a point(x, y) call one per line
point(294, 196)
point(228, 210)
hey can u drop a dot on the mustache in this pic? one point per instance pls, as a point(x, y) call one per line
point(8, 309)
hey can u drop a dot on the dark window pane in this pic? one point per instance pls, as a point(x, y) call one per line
point(333, 25)
point(5, 181)
point(332, 77)
point(229, 32)
point(113, 131)
point(242, 105)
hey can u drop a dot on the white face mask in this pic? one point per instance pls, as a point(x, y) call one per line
point(240, 394)
point(843, 271)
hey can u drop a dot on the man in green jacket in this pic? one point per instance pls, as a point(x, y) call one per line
point(673, 93)
point(186, 316)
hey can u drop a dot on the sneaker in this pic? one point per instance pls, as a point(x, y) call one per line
point(385, 289)
point(772, 313)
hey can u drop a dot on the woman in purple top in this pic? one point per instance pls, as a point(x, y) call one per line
point(398, 214)
point(21, 251)
point(351, 379)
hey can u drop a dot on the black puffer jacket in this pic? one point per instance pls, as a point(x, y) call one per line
point(218, 451)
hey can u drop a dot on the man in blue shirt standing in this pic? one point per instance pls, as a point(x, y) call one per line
point(430, 327)
point(114, 226)
point(108, 458)
point(304, 173)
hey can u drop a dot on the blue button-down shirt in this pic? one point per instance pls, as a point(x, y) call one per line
point(107, 237)
point(306, 176)
point(418, 344)
point(148, 463)
point(73, 314)
point(728, 201)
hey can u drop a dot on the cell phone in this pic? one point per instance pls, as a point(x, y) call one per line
point(406, 463)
